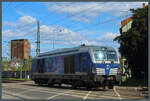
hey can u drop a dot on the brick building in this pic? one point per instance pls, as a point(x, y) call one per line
point(20, 49)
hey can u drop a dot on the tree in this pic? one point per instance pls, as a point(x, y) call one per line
point(134, 42)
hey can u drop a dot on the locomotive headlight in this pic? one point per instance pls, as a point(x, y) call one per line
point(100, 55)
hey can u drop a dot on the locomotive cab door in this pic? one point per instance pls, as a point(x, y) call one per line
point(69, 64)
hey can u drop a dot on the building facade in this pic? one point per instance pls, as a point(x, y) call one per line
point(126, 24)
point(20, 49)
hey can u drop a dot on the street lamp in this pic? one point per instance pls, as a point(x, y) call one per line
point(56, 30)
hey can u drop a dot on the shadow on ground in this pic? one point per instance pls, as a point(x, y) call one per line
point(65, 87)
point(134, 82)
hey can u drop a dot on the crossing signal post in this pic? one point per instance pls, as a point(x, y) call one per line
point(38, 39)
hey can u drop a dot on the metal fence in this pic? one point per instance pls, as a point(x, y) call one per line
point(16, 74)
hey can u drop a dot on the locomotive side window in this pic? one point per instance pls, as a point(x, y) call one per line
point(40, 65)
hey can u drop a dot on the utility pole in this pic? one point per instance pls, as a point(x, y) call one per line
point(38, 38)
point(53, 43)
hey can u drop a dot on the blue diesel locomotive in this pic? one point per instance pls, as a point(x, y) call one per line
point(88, 66)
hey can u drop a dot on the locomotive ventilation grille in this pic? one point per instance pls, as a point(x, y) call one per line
point(113, 71)
point(101, 71)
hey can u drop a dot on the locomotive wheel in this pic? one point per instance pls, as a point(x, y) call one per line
point(35, 82)
point(50, 84)
point(110, 86)
point(103, 87)
point(40, 83)
point(88, 87)
point(59, 84)
point(74, 86)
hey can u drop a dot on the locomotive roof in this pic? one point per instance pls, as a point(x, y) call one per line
point(74, 49)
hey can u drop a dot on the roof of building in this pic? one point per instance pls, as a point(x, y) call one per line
point(124, 22)
point(19, 40)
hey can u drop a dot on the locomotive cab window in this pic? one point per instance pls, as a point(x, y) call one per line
point(111, 55)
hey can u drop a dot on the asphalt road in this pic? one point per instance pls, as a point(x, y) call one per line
point(29, 90)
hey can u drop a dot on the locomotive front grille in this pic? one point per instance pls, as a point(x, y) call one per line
point(113, 71)
point(100, 71)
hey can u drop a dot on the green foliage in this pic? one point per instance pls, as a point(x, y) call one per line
point(6, 65)
point(25, 66)
point(3, 66)
point(134, 42)
point(14, 69)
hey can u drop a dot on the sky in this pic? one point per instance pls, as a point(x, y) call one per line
point(66, 24)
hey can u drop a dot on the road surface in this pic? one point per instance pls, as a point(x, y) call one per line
point(29, 90)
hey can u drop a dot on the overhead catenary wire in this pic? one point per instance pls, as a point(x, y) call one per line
point(26, 25)
point(107, 21)
point(73, 15)
point(80, 28)
point(75, 29)
point(104, 22)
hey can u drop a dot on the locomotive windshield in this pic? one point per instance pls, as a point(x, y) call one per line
point(111, 55)
point(99, 55)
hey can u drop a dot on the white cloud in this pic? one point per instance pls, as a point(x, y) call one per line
point(63, 36)
point(76, 11)
point(27, 20)
point(32, 46)
point(59, 33)
point(22, 27)
point(108, 37)
point(12, 34)
point(22, 21)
